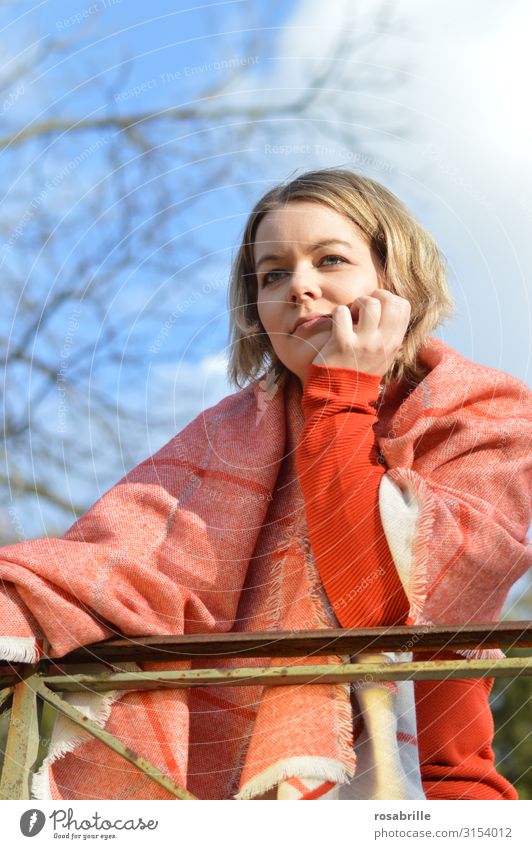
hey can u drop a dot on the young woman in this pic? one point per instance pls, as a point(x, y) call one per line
point(366, 475)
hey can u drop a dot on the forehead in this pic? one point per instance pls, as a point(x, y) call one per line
point(302, 224)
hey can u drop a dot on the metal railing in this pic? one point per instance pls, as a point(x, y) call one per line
point(30, 695)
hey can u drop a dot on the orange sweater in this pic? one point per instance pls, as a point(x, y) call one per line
point(339, 468)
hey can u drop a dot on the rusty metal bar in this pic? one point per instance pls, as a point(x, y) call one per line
point(422, 640)
point(344, 641)
point(22, 750)
point(277, 676)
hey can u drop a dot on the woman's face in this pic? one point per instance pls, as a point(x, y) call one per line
point(299, 275)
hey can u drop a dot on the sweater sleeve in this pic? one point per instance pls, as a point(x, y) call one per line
point(339, 469)
point(455, 731)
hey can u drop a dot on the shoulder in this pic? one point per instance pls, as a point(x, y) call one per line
point(460, 405)
point(453, 380)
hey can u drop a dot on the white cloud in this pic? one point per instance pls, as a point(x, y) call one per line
point(465, 69)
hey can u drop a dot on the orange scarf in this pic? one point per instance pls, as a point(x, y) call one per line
point(209, 535)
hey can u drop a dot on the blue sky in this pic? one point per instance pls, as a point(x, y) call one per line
point(456, 72)
point(461, 171)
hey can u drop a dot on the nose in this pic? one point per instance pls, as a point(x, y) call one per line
point(303, 284)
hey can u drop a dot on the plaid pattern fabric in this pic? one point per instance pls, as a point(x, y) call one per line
point(209, 535)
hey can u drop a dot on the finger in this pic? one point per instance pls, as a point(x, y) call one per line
point(369, 313)
point(395, 315)
point(342, 324)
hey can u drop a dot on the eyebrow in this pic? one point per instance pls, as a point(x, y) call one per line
point(322, 244)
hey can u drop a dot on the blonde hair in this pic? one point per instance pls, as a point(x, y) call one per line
point(411, 263)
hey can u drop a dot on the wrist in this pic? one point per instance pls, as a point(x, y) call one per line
point(340, 384)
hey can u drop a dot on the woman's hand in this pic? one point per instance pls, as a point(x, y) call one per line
point(372, 343)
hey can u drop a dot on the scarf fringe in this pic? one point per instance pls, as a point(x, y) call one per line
point(422, 536)
point(297, 767)
point(341, 692)
point(19, 649)
point(468, 654)
point(68, 736)
point(240, 763)
point(275, 581)
point(323, 611)
point(345, 730)
point(481, 654)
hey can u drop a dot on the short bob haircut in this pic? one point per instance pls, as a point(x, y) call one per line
point(411, 263)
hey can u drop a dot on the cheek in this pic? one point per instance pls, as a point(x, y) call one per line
point(262, 316)
point(267, 316)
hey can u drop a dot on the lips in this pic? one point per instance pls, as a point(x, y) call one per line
point(309, 321)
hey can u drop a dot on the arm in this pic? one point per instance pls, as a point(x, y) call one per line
point(337, 463)
point(455, 503)
point(148, 557)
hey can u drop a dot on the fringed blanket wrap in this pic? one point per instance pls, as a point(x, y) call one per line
point(209, 535)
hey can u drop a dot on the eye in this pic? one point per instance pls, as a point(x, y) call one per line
point(266, 277)
point(334, 256)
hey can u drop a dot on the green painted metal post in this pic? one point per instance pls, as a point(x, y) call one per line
point(22, 743)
